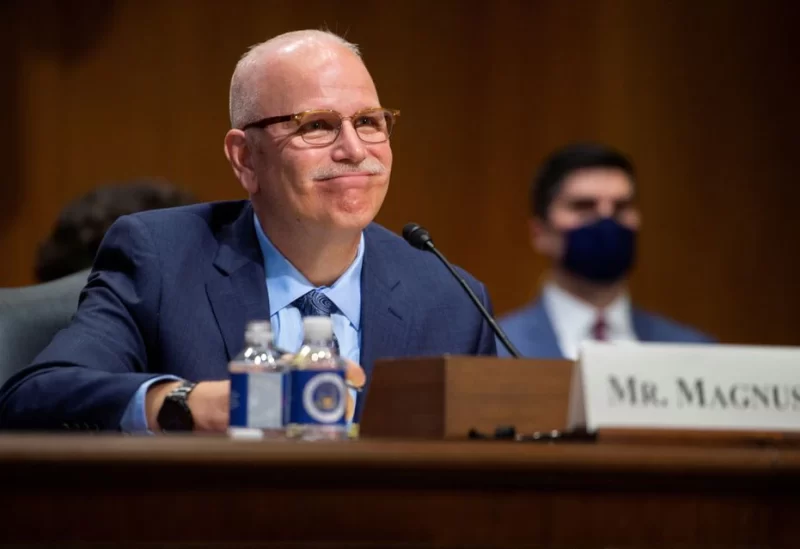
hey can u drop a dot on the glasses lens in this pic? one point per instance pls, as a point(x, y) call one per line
point(374, 126)
point(319, 128)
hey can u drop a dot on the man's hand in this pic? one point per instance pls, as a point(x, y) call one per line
point(355, 375)
point(355, 378)
point(210, 406)
point(209, 402)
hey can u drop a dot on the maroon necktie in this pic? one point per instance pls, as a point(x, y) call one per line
point(600, 328)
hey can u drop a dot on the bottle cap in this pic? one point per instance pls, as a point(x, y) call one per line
point(318, 328)
point(259, 331)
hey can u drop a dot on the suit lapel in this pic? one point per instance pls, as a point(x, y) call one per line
point(641, 326)
point(385, 312)
point(238, 291)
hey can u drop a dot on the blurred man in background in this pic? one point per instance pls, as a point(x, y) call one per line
point(76, 236)
point(584, 218)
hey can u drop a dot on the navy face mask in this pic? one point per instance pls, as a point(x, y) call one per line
point(603, 251)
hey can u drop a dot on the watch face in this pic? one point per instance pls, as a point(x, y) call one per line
point(175, 416)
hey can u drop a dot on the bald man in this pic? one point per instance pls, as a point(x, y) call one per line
point(171, 291)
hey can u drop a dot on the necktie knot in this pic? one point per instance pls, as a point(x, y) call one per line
point(315, 303)
point(600, 328)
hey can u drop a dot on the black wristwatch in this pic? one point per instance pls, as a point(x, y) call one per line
point(175, 414)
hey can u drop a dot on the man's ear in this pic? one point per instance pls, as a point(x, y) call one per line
point(240, 154)
point(538, 233)
point(546, 239)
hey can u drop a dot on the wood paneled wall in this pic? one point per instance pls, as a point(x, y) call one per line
point(703, 95)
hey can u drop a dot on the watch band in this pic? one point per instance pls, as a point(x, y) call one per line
point(181, 392)
point(175, 414)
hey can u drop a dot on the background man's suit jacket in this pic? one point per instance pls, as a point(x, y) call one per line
point(532, 332)
point(171, 292)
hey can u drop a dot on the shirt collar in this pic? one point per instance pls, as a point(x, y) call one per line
point(618, 315)
point(285, 283)
point(574, 315)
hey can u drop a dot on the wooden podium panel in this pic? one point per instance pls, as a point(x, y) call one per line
point(444, 397)
point(210, 492)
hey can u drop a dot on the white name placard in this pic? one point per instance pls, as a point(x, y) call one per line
point(672, 386)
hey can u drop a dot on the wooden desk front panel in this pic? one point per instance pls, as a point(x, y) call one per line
point(212, 492)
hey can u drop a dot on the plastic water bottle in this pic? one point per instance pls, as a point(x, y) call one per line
point(318, 404)
point(259, 387)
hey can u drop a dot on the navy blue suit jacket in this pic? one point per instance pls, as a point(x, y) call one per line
point(171, 292)
point(531, 331)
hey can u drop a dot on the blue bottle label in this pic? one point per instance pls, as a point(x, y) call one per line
point(258, 400)
point(319, 397)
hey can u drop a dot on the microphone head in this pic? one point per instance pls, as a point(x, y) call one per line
point(417, 236)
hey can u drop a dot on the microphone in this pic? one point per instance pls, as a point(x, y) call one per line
point(419, 237)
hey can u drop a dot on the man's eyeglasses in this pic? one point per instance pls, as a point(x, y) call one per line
point(321, 127)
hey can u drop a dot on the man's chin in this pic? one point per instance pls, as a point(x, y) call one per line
point(348, 220)
point(350, 223)
point(356, 211)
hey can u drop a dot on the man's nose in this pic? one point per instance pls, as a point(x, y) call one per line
point(606, 209)
point(348, 145)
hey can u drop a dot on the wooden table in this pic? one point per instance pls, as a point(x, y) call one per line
point(213, 492)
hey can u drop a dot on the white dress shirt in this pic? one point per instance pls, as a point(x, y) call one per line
point(573, 319)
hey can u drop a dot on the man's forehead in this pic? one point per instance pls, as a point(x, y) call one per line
point(332, 84)
point(597, 183)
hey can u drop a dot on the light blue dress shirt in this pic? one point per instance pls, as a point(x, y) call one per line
point(284, 285)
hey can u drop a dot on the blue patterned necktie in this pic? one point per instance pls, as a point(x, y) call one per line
point(315, 303)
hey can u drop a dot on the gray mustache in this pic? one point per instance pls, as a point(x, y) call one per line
point(368, 165)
